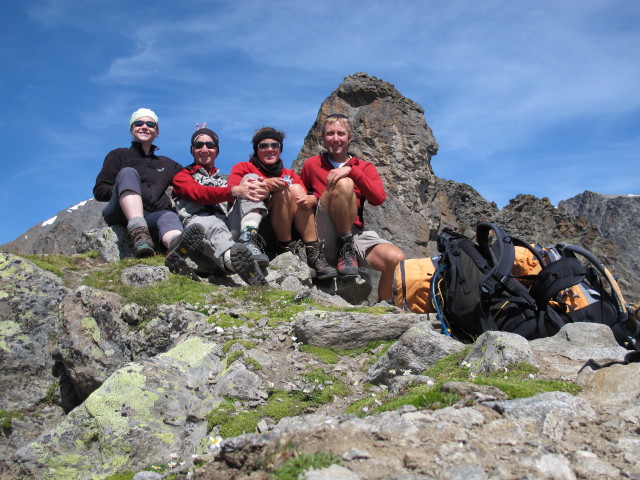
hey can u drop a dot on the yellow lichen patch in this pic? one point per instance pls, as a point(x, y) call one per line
point(192, 351)
point(8, 329)
point(105, 404)
point(166, 437)
point(91, 327)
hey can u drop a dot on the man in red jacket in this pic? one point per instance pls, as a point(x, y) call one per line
point(341, 183)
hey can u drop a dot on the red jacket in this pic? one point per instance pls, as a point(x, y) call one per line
point(239, 170)
point(187, 187)
point(367, 181)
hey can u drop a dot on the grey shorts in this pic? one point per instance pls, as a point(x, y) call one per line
point(363, 240)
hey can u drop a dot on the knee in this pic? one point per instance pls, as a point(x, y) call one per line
point(127, 172)
point(393, 257)
point(344, 186)
point(297, 190)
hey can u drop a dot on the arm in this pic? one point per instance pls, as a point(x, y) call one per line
point(254, 189)
point(106, 178)
point(366, 178)
point(184, 186)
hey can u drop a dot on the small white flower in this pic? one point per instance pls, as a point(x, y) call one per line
point(472, 375)
point(294, 338)
point(355, 382)
point(377, 402)
point(406, 372)
point(365, 409)
point(219, 330)
point(171, 464)
point(215, 442)
point(430, 383)
point(532, 376)
point(392, 372)
point(270, 384)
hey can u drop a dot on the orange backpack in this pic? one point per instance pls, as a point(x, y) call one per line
point(412, 284)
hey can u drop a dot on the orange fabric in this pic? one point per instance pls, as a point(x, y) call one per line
point(418, 275)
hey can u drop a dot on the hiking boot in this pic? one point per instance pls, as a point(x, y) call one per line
point(143, 245)
point(317, 261)
point(347, 260)
point(255, 243)
point(245, 265)
point(189, 241)
point(297, 248)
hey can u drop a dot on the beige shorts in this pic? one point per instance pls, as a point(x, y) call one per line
point(363, 240)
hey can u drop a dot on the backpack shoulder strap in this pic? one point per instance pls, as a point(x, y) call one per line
point(554, 278)
point(572, 250)
point(502, 250)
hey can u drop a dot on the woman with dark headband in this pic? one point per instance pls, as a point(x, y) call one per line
point(134, 180)
point(287, 202)
point(204, 198)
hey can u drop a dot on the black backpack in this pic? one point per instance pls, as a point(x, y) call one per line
point(474, 290)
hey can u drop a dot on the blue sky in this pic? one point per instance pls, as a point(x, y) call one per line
point(539, 97)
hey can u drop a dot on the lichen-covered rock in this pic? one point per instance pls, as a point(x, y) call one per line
point(141, 415)
point(351, 330)
point(144, 275)
point(165, 330)
point(414, 352)
point(29, 300)
point(92, 338)
point(495, 351)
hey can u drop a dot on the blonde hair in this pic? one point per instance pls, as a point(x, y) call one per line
point(335, 118)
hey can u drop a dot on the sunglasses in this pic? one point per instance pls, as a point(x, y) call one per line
point(265, 145)
point(336, 115)
point(139, 123)
point(210, 145)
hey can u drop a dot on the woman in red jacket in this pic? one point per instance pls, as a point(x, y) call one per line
point(287, 202)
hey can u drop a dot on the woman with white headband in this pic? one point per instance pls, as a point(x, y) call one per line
point(133, 181)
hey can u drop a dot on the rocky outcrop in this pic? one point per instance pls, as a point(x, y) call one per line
point(617, 218)
point(146, 388)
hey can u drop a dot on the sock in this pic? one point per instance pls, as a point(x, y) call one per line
point(345, 237)
point(251, 221)
point(226, 259)
point(136, 222)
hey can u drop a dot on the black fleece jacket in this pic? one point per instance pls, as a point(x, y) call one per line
point(155, 172)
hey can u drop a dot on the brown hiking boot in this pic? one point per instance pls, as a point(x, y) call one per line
point(143, 245)
point(317, 261)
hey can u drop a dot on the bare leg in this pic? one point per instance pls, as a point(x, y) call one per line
point(282, 209)
point(131, 204)
point(384, 257)
point(340, 203)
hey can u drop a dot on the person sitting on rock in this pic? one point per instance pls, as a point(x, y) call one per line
point(203, 198)
point(134, 181)
point(287, 202)
point(342, 183)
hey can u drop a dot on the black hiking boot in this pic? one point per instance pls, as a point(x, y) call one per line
point(245, 265)
point(189, 241)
